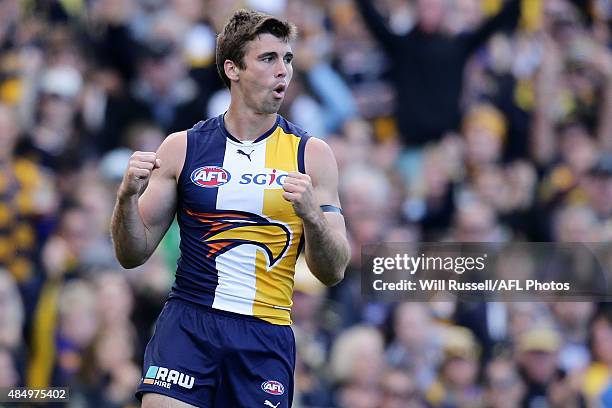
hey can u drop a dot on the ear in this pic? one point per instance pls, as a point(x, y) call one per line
point(231, 70)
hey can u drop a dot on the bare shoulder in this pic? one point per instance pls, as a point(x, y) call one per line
point(320, 165)
point(172, 153)
point(174, 143)
point(319, 157)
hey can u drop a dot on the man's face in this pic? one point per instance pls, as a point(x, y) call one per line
point(431, 14)
point(399, 391)
point(504, 388)
point(540, 366)
point(267, 73)
point(166, 72)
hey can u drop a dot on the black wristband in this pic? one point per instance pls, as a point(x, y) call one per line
point(331, 208)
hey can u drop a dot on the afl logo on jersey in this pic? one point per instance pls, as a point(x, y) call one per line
point(210, 176)
point(273, 387)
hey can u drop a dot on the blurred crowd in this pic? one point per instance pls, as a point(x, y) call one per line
point(451, 120)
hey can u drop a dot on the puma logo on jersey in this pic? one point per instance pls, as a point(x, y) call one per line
point(242, 152)
point(269, 404)
point(228, 229)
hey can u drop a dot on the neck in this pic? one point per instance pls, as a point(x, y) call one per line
point(245, 124)
point(429, 29)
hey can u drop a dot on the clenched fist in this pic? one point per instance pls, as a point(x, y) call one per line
point(138, 173)
point(298, 191)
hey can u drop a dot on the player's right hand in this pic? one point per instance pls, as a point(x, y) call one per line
point(138, 173)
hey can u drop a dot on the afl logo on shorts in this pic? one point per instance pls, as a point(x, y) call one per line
point(210, 176)
point(273, 387)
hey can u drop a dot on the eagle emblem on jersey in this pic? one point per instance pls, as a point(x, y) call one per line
point(225, 230)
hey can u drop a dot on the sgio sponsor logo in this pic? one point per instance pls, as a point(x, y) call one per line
point(271, 177)
point(163, 377)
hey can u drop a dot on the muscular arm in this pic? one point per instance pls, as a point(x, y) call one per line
point(543, 144)
point(326, 247)
point(146, 201)
point(376, 24)
point(508, 18)
point(604, 127)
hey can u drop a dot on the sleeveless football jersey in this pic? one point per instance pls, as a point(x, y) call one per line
point(239, 237)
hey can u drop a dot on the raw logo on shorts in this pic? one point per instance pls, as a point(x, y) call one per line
point(163, 377)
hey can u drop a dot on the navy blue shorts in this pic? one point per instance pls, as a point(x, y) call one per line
point(211, 358)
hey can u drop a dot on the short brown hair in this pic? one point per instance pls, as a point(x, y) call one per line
point(245, 26)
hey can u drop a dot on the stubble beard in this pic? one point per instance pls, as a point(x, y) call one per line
point(270, 107)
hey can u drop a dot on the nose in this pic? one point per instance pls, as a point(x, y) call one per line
point(282, 71)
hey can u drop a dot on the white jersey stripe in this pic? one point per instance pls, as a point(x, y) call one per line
point(236, 287)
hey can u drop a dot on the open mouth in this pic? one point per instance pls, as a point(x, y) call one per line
point(279, 91)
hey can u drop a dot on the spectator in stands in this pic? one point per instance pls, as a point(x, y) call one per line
point(504, 388)
point(27, 198)
point(456, 385)
point(517, 128)
point(598, 377)
point(399, 390)
point(427, 65)
point(416, 346)
point(537, 356)
point(356, 366)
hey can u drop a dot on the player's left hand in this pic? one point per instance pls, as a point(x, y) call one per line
point(298, 191)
